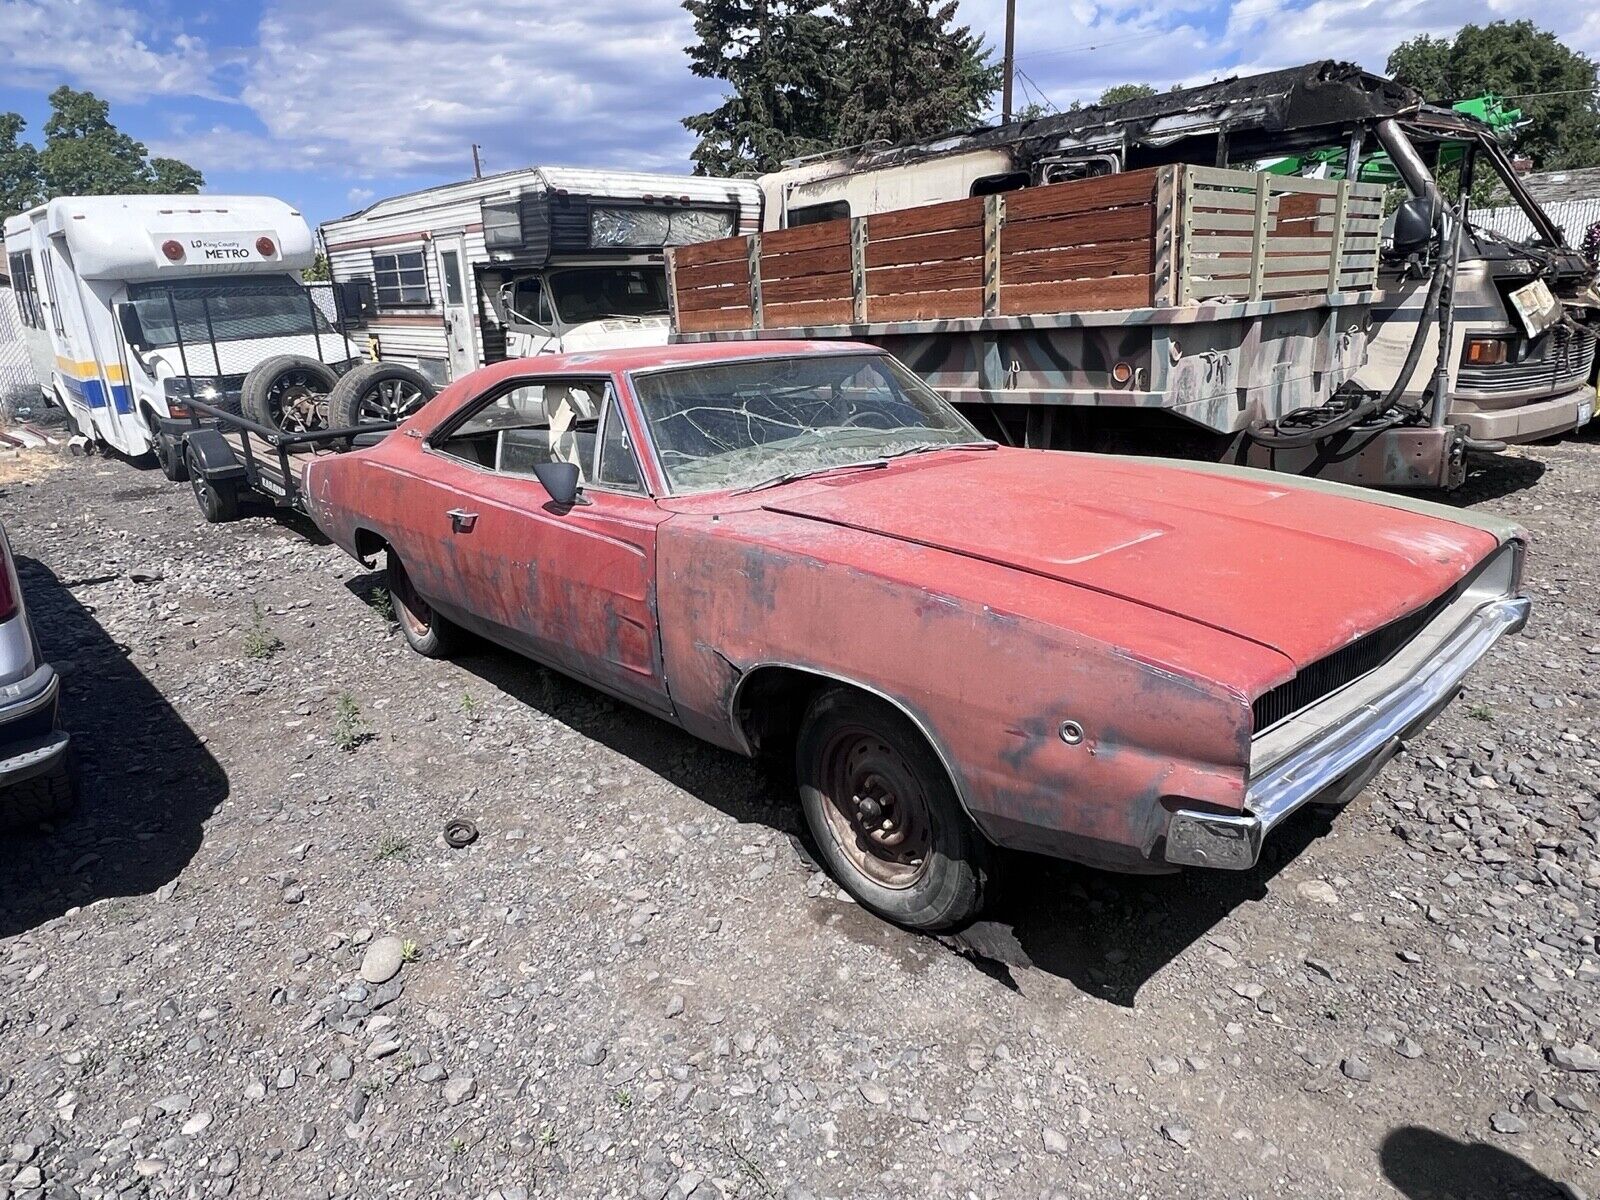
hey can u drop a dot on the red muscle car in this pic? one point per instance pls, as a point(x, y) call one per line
point(798, 547)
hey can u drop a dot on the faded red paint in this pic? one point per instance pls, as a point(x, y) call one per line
point(990, 594)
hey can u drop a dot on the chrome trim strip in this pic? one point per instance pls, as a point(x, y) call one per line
point(1233, 842)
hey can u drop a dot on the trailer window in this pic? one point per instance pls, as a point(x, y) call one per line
point(813, 214)
point(401, 280)
point(26, 289)
point(451, 262)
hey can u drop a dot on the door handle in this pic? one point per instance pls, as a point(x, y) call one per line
point(461, 521)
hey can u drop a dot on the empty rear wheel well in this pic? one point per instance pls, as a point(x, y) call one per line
point(369, 544)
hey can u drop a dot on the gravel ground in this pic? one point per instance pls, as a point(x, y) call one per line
point(636, 984)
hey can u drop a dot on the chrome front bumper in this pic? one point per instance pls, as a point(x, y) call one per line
point(1342, 759)
point(30, 741)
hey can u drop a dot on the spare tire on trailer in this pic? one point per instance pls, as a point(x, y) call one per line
point(288, 392)
point(377, 392)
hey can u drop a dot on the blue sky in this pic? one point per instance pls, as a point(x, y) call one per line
point(332, 103)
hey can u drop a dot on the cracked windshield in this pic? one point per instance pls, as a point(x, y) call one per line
point(748, 424)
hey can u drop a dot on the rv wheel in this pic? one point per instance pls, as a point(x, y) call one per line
point(288, 392)
point(374, 393)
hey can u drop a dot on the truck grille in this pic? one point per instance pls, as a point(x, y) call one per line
point(1343, 666)
point(1562, 365)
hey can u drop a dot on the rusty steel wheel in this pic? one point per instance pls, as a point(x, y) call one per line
point(425, 631)
point(885, 815)
point(875, 806)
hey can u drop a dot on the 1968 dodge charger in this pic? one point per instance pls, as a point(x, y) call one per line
point(799, 547)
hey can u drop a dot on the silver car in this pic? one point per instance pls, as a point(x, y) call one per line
point(35, 784)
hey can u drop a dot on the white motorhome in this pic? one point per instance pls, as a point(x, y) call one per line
point(134, 304)
point(526, 262)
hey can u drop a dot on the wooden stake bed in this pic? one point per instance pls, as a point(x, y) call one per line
point(1158, 238)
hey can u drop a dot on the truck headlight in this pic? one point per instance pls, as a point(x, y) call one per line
point(1486, 351)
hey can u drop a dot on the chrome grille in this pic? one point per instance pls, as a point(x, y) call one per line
point(1343, 666)
point(1562, 365)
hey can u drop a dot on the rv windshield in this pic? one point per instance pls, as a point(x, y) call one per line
point(762, 422)
point(593, 293)
point(226, 308)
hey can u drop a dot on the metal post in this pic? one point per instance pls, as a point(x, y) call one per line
point(994, 220)
point(177, 332)
point(316, 334)
point(1258, 244)
point(1352, 154)
point(1010, 68)
point(753, 266)
point(1449, 258)
point(211, 334)
point(858, 269)
point(1341, 207)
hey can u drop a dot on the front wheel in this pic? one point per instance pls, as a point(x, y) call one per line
point(885, 816)
point(169, 457)
point(425, 631)
point(218, 498)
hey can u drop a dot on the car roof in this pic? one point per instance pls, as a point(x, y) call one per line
point(643, 358)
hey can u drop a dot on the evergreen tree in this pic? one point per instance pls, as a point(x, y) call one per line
point(912, 73)
point(20, 185)
point(777, 56)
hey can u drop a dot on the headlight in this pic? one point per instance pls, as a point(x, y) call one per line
point(179, 390)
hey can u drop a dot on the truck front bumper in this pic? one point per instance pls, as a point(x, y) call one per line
point(31, 742)
point(1525, 422)
point(1336, 764)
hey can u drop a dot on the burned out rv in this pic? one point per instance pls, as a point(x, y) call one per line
point(540, 260)
point(1521, 324)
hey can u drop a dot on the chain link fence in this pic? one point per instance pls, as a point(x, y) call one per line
point(18, 388)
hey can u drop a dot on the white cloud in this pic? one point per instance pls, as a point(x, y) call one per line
point(359, 196)
point(117, 52)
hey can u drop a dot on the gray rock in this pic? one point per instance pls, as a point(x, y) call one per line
point(340, 1068)
point(459, 1088)
point(1355, 1067)
point(1507, 1122)
point(1055, 1141)
point(1178, 1135)
point(383, 960)
point(1579, 1057)
point(305, 1135)
point(592, 1054)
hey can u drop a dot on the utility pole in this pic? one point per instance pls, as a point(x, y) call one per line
point(1011, 60)
point(477, 166)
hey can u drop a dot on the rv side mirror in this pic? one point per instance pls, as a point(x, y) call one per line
point(132, 329)
point(508, 302)
point(1413, 226)
point(560, 479)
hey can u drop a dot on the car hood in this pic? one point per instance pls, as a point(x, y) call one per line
point(1263, 557)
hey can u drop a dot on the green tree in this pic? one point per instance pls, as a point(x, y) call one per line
point(912, 72)
point(172, 176)
point(20, 185)
point(1118, 92)
point(318, 271)
point(778, 59)
point(1554, 85)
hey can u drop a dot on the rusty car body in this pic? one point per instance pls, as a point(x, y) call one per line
point(1133, 663)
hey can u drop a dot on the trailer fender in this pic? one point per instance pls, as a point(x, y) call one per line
point(212, 452)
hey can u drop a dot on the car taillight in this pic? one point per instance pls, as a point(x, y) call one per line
point(1486, 352)
point(8, 595)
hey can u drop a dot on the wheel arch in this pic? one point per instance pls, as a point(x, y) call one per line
point(785, 690)
point(369, 543)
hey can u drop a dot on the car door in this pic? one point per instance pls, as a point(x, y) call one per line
point(572, 586)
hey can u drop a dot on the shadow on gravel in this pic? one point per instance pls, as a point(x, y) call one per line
point(1424, 1165)
point(1498, 475)
point(145, 783)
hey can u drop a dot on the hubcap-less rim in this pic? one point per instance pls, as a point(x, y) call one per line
point(413, 609)
point(875, 808)
point(295, 401)
point(389, 400)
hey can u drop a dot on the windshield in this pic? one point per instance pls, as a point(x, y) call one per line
point(590, 293)
point(227, 309)
point(741, 424)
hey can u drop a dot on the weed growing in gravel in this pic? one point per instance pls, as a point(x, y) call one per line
point(349, 730)
point(259, 641)
point(748, 1166)
point(458, 1146)
point(390, 846)
point(379, 601)
point(624, 1098)
point(1481, 712)
point(471, 707)
point(547, 1137)
point(410, 951)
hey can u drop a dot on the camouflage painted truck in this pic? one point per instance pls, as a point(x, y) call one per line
point(1211, 298)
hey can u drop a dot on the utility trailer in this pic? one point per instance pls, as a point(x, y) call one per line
point(1183, 303)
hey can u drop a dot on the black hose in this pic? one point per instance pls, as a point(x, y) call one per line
point(1265, 432)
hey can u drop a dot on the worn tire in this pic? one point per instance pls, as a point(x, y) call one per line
point(257, 402)
point(169, 457)
point(879, 743)
point(425, 631)
point(218, 498)
point(377, 392)
point(40, 800)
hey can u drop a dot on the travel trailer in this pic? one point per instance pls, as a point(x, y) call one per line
point(133, 305)
point(1523, 322)
point(527, 262)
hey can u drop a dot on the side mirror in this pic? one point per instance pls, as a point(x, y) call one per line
point(508, 296)
point(1413, 226)
point(130, 325)
point(560, 479)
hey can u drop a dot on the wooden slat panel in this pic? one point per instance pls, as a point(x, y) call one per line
point(804, 287)
point(1080, 295)
point(714, 320)
point(930, 218)
point(711, 275)
point(722, 250)
point(926, 247)
point(806, 237)
point(723, 297)
point(926, 277)
point(816, 312)
point(1080, 262)
point(926, 306)
point(824, 260)
point(1049, 233)
point(1082, 195)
